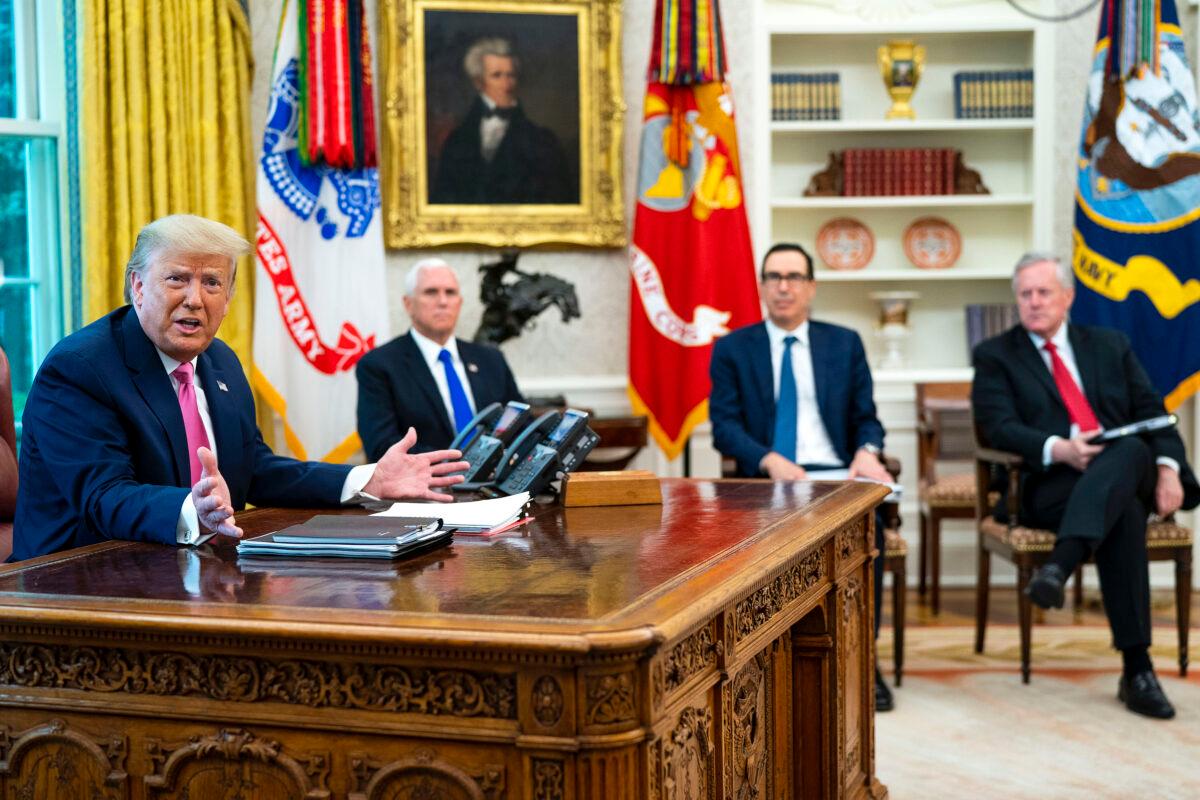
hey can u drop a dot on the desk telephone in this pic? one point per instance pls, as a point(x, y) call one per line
point(496, 427)
point(552, 445)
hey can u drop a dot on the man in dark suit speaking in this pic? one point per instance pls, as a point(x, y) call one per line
point(496, 154)
point(427, 379)
point(141, 425)
point(790, 395)
point(1042, 390)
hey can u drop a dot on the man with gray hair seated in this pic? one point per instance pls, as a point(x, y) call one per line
point(1043, 390)
point(427, 379)
point(496, 154)
point(142, 426)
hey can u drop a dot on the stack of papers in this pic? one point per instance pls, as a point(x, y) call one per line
point(472, 517)
point(844, 475)
point(351, 537)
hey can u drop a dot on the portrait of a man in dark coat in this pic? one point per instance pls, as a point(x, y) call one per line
point(497, 154)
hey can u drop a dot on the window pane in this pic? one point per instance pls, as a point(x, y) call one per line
point(8, 70)
point(14, 206)
point(16, 337)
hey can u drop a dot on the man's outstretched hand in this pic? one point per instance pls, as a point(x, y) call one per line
point(210, 495)
point(401, 475)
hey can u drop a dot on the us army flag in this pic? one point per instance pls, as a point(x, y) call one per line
point(320, 300)
point(1137, 239)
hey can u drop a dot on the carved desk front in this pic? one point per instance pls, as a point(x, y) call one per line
point(718, 646)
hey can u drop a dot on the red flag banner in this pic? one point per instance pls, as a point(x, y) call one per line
point(691, 261)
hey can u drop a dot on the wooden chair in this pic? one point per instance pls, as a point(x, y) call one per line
point(621, 439)
point(8, 460)
point(943, 434)
point(1028, 548)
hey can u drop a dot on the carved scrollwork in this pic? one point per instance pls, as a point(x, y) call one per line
point(547, 701)
point(234, 762)
point(549, 779)
point(55, 760)
point(423, 776)
point(688, 757)
point(689, 657)
point(756, 610)
point(850, 540)
point(749, 731)
point(610, 699)
point(317, 684)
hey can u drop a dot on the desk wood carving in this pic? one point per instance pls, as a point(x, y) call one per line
point(718, 645)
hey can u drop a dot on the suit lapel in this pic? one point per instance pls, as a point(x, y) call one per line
point(155, 387)
point(418, 368)
point(821, 357)
point(480, 386)
point(760, 367)
point(1027, 355)
point(1085, 361)
point(221, 411)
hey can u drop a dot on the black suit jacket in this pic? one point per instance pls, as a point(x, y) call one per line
point(529, 166)
point(396, 390)
point(1017, 405)
point(104, 453)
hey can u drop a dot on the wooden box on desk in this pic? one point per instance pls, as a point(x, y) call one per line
point(626, 488)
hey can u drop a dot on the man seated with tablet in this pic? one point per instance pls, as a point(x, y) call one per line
point(1046, 389)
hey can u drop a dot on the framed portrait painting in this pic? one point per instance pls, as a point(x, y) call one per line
point(503, 122)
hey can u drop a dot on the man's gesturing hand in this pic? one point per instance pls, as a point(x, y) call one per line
point(401, 475)
point(210, 495)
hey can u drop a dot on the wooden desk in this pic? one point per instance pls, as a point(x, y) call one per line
point(717, 646)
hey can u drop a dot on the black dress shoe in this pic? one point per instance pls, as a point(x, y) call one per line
point(883, 695)
point(1046, 586)
point(1142, 694)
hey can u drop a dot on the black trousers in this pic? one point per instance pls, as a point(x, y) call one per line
point(1106, 506)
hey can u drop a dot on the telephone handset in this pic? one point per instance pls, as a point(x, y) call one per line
point(563, 443)
point(496, 426)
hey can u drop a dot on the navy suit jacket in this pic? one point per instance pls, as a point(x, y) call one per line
point(396, 391)
point(1017, 405)
point(104, 453)
point(742, 403)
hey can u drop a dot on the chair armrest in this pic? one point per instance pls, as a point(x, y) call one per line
point(892, 465)
point(1001, 457)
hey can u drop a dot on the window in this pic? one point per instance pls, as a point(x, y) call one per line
point(32, 163)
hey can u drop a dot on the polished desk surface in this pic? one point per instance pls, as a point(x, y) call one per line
point(594, 576)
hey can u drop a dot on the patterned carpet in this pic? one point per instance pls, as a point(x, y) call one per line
point(965, 726)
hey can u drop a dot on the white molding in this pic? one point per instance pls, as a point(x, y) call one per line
point(905, 201)
point(911, 274)
point(901, 126)
point(30, 128)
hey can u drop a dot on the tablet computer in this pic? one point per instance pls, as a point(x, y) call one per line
point(1135, 428)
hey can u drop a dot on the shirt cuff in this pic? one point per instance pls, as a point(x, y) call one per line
point(1048, 450)
point(357, 478)
point(1167, 461)
point(187, 529)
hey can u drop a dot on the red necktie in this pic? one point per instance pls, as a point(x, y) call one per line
point(1078, 408)
point(193, 426)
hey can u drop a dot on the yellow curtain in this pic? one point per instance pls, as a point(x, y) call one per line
point(166, 130)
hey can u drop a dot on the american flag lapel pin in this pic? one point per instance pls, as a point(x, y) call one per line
point(221, 385)
point(472, 368)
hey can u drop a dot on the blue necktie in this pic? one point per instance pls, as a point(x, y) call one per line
point(784, 441)
point(458, 397)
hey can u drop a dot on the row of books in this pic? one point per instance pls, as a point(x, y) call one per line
point(805, 96)
point(996, 94)
point(888, 172)
point(987, 320)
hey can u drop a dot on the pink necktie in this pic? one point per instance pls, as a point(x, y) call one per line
point(192, 425)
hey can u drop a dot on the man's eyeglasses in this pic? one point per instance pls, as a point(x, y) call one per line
point(776, 278)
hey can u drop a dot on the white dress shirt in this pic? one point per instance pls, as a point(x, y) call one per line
point(491, 131)
point(813, 445)
point(1062, 342)
point(187, 529)
point(430, 350)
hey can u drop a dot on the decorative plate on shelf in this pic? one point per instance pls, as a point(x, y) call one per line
point(932, 243)
point(845, 243)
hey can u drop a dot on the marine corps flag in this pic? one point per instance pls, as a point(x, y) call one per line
point(691, 260)
point(1137, 239)
point(320, 303)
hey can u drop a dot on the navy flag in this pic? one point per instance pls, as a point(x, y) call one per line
point(1137, 234)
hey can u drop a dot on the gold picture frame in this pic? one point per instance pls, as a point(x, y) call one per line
point(424, 44)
